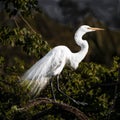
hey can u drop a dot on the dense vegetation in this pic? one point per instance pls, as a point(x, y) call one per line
point(21, 46)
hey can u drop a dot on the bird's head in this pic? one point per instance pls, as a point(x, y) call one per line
point(83, 30)
point(86, 28)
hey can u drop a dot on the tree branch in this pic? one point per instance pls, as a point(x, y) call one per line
point(80, 115)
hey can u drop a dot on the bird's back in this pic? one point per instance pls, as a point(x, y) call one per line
point(44, 69)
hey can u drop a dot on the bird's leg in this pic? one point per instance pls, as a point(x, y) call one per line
point(58, 88)
point(53, 93)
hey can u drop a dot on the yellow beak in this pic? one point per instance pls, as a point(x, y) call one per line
point(92, 28)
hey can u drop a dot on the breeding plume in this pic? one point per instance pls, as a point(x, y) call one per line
point(54, 61)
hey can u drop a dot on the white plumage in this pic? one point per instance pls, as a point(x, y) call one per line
point(54, 61)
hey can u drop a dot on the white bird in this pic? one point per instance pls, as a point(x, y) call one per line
point(54, 61)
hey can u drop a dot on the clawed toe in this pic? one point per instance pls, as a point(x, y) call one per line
point(80, 103)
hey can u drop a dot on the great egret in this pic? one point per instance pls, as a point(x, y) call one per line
point(54, 61)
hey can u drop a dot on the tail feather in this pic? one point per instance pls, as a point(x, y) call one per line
point(36, 77)
point(35, 85)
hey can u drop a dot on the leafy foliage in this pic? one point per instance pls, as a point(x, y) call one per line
point(31, 43)
point(91, 84)
point(19, 6)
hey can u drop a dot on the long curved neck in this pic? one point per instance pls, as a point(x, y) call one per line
point(82, 43)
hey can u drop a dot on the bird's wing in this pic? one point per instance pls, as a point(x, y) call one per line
point(40, 73)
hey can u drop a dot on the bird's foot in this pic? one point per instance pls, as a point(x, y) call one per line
point(80, 103)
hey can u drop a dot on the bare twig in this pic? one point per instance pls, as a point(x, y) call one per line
point(27, 23)
point(16, 22)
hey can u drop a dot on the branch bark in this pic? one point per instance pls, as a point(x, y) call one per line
point(80, 115)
